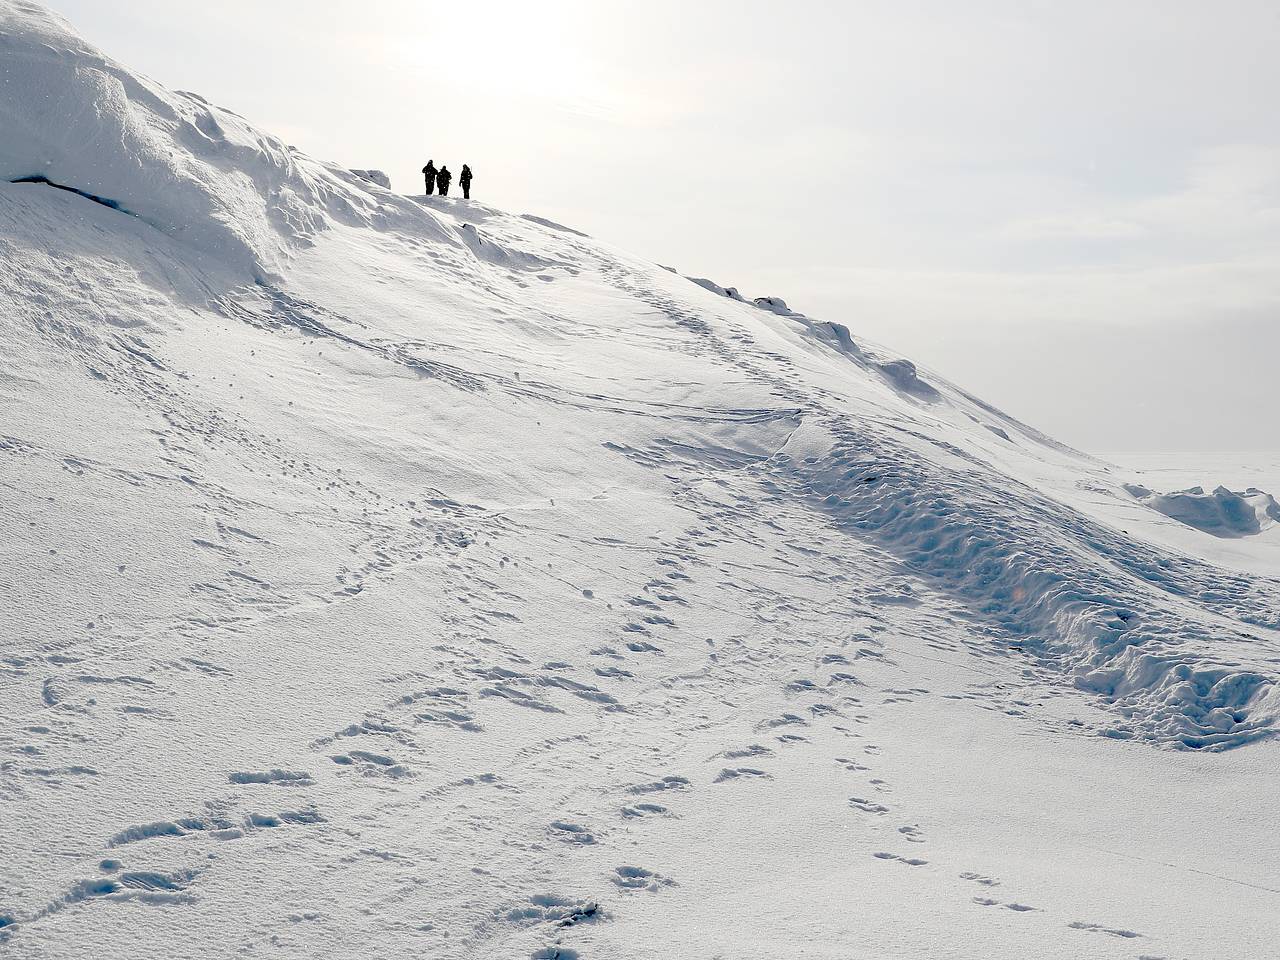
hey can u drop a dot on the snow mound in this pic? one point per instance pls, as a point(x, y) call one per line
point(903, 375)
point(776, 304)
point(730, 292)
point(1223, 513)
point(73, 118)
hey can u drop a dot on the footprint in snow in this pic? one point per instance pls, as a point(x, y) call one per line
point(909, 861)
point(1099, 928)
point(1015, 907)
point(371, 764)
point(555, 910)
point(659, 786)
point(867, 806)
point(637, 810)
point(571, 833)
point(755, 750)
point(638, 878)
point(288, 778)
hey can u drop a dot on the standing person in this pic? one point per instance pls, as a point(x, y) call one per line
point(429, 171)
point(465, 180)
point(443, 179)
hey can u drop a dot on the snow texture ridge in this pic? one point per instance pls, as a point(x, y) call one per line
point(1223, 513)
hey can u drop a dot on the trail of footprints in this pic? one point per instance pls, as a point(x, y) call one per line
point(384, 743)
point(644, 625)
point(116, 883)
point(652, 798)
point(643, 634)
point(912, 833)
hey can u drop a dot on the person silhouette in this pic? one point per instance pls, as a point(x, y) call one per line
point(465, 182)
point(429, 171)
point(443, 179)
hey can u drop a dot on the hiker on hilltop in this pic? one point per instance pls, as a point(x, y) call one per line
point(465, 181)
point(443, 179)
point(429, 171)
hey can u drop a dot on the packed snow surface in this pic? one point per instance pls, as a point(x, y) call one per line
point(394, 576)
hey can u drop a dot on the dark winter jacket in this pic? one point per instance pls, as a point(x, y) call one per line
point(465, 178)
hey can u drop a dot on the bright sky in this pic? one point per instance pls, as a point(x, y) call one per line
point(1071, 208)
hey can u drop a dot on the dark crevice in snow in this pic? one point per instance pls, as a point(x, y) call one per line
point(112, 204)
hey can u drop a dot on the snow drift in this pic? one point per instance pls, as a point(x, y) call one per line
point(393, 531)
point(1223, 513)
point(75, 118)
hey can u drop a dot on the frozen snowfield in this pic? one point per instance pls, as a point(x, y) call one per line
point(390, 577)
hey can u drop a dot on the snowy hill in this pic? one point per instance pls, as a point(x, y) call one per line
point(393, 576)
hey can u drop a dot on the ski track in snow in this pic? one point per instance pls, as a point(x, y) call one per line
point(399, 572)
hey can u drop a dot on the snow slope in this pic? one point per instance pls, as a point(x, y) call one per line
point(394, 576)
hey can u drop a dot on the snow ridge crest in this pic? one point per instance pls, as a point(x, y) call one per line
point(77, 119)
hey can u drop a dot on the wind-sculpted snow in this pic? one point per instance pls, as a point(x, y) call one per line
point(1075, 597)
point(395, 576)
point(1084, 601)
point(77, 119)
point(1223, 513)
point(1081, 600)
